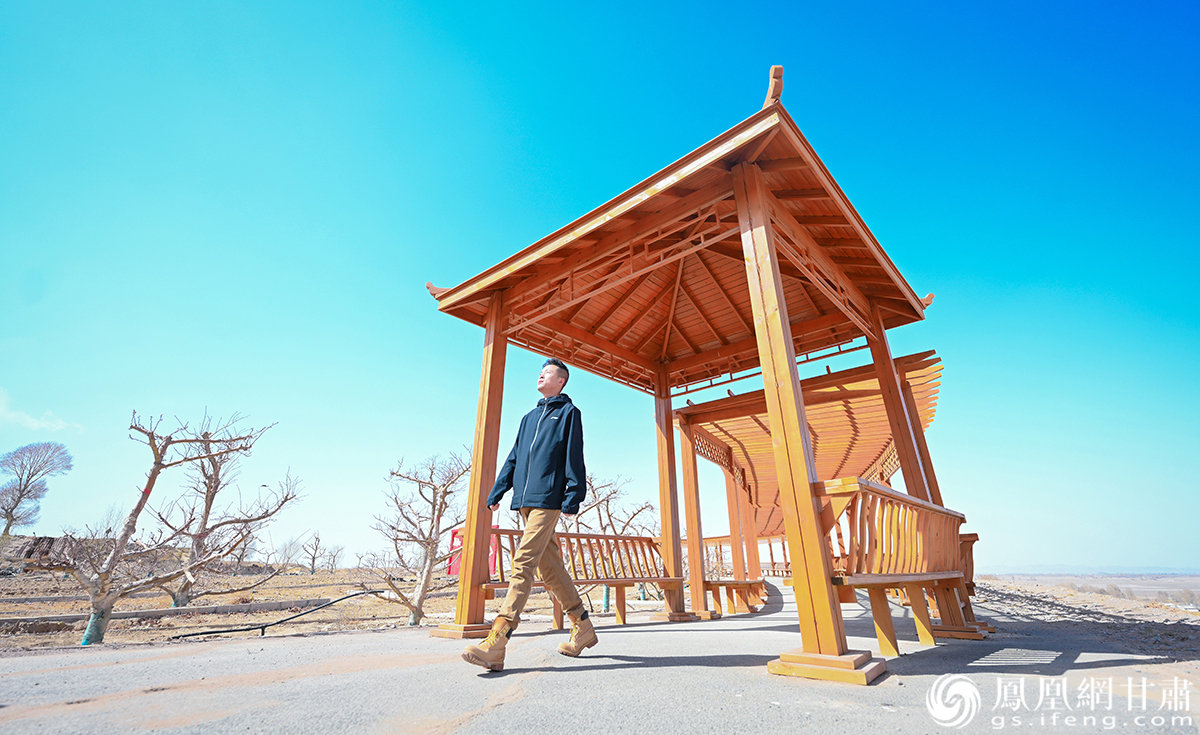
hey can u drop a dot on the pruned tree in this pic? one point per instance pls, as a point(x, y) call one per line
point(332, 558)
point(29, 467)
point(209, 519)
point(313, 552)
point(423, 508)
point(605, 510)
point(285, 552)
point(113, 567)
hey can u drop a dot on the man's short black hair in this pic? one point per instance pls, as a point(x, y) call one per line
point(559, 364)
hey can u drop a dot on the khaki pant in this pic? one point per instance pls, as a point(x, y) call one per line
point(539, 551)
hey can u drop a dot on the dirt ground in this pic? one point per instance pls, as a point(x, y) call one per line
point(363, 612)
point(360, 613)
point(1161, 626)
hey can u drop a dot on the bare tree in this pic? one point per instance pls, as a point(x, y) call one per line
point(333, 557)
point(30, 467)
point(605, 510)
point(422, 511)
point(110, 568)
point(283, 553)
point(209, 520)
point(313, 551)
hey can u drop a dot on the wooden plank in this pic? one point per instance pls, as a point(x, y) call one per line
point(819, 612)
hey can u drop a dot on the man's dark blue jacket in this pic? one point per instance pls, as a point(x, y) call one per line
point(545, 467)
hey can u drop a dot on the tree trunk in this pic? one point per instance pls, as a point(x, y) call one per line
point(98, 622)
point(8, 524)
point(182, 596)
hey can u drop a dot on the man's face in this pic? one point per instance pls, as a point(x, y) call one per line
point(550, 382)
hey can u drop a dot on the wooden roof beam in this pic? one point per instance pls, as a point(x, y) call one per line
point(783, 164)
point(822, 272)
point(655, 261)
point(799, 329)
point(591, 339)
point(787, 195)
point(658, 224)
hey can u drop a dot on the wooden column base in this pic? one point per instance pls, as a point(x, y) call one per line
point(852, 667)
point(674, 617)
point(454, 630)
point(968, 632)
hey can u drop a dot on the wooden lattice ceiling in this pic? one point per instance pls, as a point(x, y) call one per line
point(655, 278)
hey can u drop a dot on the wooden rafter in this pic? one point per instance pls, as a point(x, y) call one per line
point(619, 302)
point(639, 315)
point(697, 304)
point(671, 309)
point(723, 293)
point(668, 254)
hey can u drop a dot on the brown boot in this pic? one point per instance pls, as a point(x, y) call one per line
point(490, 653)
point(583, 635)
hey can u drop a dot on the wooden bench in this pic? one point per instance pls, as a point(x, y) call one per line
point(881, 539)
point(743, 595)
point(619, 562)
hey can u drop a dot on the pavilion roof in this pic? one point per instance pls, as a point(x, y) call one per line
point(655, 277)
point(847, 424)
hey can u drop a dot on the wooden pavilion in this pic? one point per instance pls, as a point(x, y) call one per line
point(743, 258)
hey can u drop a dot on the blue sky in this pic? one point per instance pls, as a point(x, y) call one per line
point(234, 207)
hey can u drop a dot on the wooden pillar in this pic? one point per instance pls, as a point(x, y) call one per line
point(737, 543)
point(824, 654)
point(668, 496)
point(897, 412)
point(691, 511)
point(473, 569)
point(914, 419)
point(749, 534)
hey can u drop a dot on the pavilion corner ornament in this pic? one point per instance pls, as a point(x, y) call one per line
point(743, 259)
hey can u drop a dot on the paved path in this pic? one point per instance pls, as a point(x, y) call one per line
point(642, 678)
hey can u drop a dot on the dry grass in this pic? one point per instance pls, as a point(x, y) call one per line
point(364, 612)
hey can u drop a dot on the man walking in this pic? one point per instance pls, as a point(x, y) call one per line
point(546, 474)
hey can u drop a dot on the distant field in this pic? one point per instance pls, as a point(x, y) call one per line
point(1145, 587)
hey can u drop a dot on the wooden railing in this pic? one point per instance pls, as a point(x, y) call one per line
point(772, 556)
point(966, 556)
point(592, 557)
point(873, 529)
